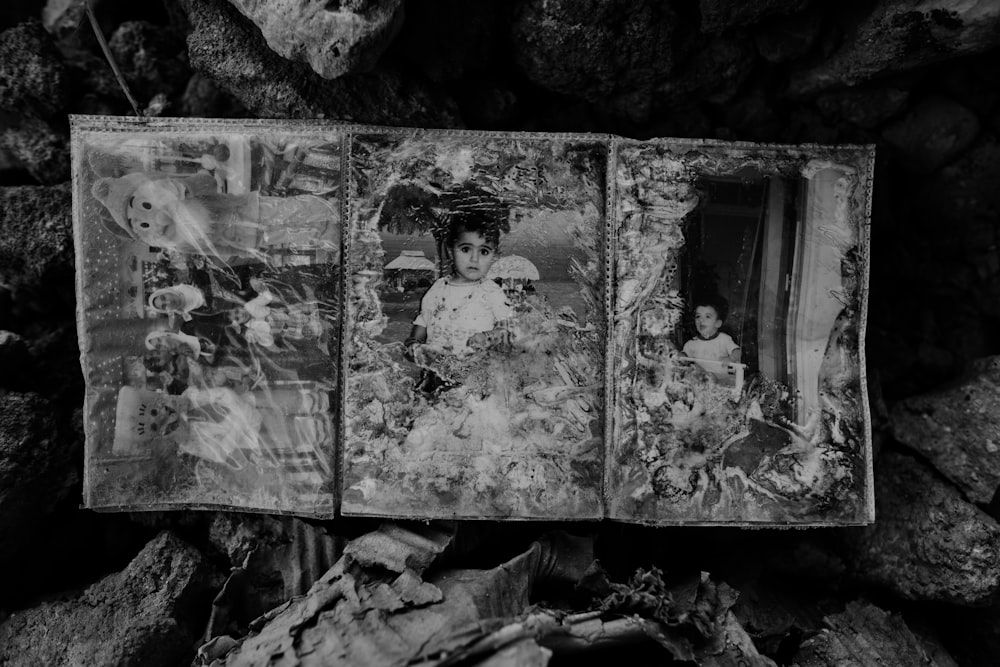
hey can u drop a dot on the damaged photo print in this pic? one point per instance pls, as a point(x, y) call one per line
point(476, 326)
point(212, 317)
point(739, 296)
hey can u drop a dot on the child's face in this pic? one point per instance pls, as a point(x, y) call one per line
point(707, 321)
point(168, 301)
point(473, 255)
point(239, 315)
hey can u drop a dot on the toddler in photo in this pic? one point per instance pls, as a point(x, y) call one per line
point(712, 349)
point(465, 311)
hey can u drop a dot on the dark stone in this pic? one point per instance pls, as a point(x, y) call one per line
point(203, 99)
point(148, 615)
point(894, 37)
point(225, 48)
point(927, 542)
point(38, 469)
point(13, 359)
point(37, 148)
point(866, 107)
point(865, 634)
point(592, 50)
point(32, 73)
point(721, 15)
point(36, 232)
point(966, 190)
point(151, 59)
point(785, 38)
point(933, 133)
point(446, 40)
point(714, 73)
point(958, 431)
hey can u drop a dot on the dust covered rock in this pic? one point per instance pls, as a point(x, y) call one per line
point(958, 431)
point(149, 614)
point(225, 48)
point(335, 38)
point(896, 37)
point(927, 543)
point(863, 634)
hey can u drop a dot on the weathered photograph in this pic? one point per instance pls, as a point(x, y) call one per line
point(212, 297)
point(476, 326)
point(739, 305)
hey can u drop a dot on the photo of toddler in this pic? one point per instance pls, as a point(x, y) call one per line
point(711, 348)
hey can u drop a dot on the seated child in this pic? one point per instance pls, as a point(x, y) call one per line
point(465, 311)
point(710, 345)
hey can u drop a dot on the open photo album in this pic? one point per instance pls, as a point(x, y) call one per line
point(317, 318)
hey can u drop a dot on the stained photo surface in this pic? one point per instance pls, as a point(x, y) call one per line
point(475, 326)
point(210, 302)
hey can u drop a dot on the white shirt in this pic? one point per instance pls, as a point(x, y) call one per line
point(452, 313)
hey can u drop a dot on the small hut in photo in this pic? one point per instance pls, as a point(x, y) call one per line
point(409, 270)
point(516, 273)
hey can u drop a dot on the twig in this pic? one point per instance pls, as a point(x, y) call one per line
point(107, 54)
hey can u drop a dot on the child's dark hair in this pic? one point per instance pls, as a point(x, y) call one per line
point(717, 303)
point(482, 223)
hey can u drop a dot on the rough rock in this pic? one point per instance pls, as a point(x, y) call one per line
point(720, 15)
point(38, 148)
point(714, 73)
point(32, 73)
point(152, 60)
point(866, 635)
point(592, 50)
point(273, 559)
point(785, 38)
point(896, 37)
point(203, 99)
point(334, 38)
point(867, 107)
point(932, 133)
point(223, 47)
point(958, 431)
point(37, 469)
point(927, 542)
point(147, 615)
point(36, 231)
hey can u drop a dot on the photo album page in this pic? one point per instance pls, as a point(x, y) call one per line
point(324, 319)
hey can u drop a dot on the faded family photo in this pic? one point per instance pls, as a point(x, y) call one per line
point(221, 298)
point(476, 319)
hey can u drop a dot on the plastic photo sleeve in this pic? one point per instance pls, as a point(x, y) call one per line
point(475, 339)
point(209, 304)
point(738, 342)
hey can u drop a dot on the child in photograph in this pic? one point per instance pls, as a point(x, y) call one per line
point(177, 300)
point(712, 349)
point(465, 311)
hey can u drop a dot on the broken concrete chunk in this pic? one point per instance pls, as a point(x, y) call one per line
point(866, 635)
point(335, 38)
point(927, 543)
point(958, 431)
point(147, 615)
